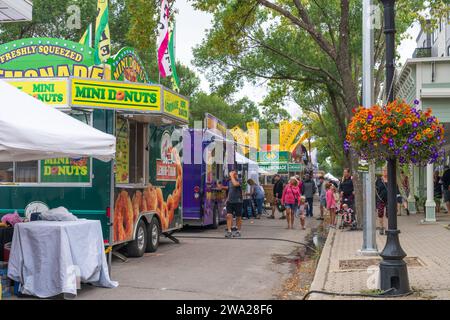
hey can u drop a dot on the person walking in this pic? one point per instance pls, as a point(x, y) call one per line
point(346, 188)
point(309, 188)
point(234, 205)
point(381, 199)
point(277, 194)
point(437, 182)
point(291, 200)
point(331, 203)
point(301, 212)
point(248, 199)
point(322, 196)
point(446, 185)
point(258, 195)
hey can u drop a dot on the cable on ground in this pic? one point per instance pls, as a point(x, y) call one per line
point(366, 295)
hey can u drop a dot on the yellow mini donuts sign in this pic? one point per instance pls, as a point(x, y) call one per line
point(115, 95)
point(51, 92)
point(175, 105)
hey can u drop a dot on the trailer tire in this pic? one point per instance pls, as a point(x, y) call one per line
point(136, 248)
point(216, 221)
point(153, 232)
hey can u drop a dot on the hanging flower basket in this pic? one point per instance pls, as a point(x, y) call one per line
point(396, 130)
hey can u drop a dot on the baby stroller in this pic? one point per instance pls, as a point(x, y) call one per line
point(347, 215)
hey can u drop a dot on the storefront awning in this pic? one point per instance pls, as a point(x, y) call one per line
point(32, 130)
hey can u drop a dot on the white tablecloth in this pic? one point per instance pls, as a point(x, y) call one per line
point(47, 257)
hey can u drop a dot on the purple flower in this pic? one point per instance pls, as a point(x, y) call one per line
point(405, 147)
point(416, 102)
point(414, 124)
point(430, 120)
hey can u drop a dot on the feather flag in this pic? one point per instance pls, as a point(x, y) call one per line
point(87, 37)
point(102, 37)
point(165, 68)
point(175, 79)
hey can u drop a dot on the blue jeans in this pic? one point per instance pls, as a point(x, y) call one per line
point(248, 208)
point(309, 212)
point(259, 205)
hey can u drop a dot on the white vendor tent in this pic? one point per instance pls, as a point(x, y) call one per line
point(32, 130)
point(253, 168)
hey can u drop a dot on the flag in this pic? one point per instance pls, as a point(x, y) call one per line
point(292, 133)
point(87, 36)
point(102, 37)
point(164, 64)
point(175, 80)
point(241, 138)
point(253, 134)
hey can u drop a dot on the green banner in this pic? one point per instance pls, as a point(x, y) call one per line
point(47, 58)
point(273, 156)
point(66, 170)
point(127, 66)
point(277, 167)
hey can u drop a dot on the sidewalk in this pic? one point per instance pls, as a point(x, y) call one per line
point(342, 269)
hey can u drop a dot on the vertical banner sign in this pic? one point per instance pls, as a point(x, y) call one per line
point(241, 138)
point(175, 80)
point(102, 37)
point(87, 36)
point(165, 68)
point(253, 134)
point(294, 146)
point(122, 152)
point(294, 130)
point(284, 128)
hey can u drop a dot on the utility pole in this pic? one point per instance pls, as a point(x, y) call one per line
point(393, 269)
point(369, 246)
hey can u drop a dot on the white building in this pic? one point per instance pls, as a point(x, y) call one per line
point(426, 77)
point(16, 10)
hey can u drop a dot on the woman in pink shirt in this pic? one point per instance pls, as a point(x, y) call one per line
point(331, 204)
point(291, 200)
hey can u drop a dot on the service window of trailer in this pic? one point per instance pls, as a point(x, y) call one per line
point(50, 172)
point(131, 149)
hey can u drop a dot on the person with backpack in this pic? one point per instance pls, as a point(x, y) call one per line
point(291, 200)
point(309, 189)
point(277, 193)
point(258, 194)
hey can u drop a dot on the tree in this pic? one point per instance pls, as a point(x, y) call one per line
point(312, 42)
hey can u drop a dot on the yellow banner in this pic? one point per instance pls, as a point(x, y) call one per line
point(176, 106)
point(253, 134)
point(293, 132)
point(115, 95)
point(102, 36)
point(241, 138)
point(304, 136)
point(284, 128)
point(51, 92)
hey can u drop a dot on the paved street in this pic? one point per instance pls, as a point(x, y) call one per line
point(209, 268)
point(427, 246)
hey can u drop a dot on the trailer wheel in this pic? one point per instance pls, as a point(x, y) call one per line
point(153, 231)
point(216, 221)
point(136, 248)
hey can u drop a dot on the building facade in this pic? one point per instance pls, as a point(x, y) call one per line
point(426, 77)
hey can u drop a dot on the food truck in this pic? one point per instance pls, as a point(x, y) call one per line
point(137, 196)
point(208, 158)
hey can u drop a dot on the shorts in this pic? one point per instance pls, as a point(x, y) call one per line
point(235, 209)
point(446, 195)
point(292, 206)
point(323, 202)
point(299, 214)
point(399, 199)
point(381, 206)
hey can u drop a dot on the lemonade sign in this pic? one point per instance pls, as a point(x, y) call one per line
point(176, 106)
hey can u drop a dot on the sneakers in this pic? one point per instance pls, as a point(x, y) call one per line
point(282, 217)
point(237, 234)
point(271, 217)
point(228, 234)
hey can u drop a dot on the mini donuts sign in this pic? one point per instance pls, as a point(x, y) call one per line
point(47, 58)
point(114, 95)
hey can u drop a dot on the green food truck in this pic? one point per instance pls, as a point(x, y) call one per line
point(137, 196)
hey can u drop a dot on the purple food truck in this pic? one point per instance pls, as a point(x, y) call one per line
point(208, 158)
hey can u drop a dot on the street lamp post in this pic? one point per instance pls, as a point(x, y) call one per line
point(393, 270)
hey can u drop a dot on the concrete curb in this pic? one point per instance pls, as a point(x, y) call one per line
point(320, 276)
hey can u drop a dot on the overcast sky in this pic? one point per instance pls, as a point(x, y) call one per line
point(191, 26)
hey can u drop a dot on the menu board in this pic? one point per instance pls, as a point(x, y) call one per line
point(66, 170)
point(122, 151)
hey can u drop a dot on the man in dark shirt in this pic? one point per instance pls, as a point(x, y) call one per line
point(234, 205)
point(277, 194)
point(445, 185)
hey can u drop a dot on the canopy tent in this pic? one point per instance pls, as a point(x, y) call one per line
point(32, 130)
point(330, 177)
point(253, 167)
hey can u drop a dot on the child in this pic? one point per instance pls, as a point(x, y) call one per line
point(331, 204)
point(301, 211)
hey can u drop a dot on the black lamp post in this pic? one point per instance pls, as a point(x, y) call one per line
point(393, 270)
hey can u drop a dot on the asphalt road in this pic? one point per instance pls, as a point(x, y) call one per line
point(208, 268)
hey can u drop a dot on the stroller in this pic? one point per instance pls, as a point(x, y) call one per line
point(347, 215)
